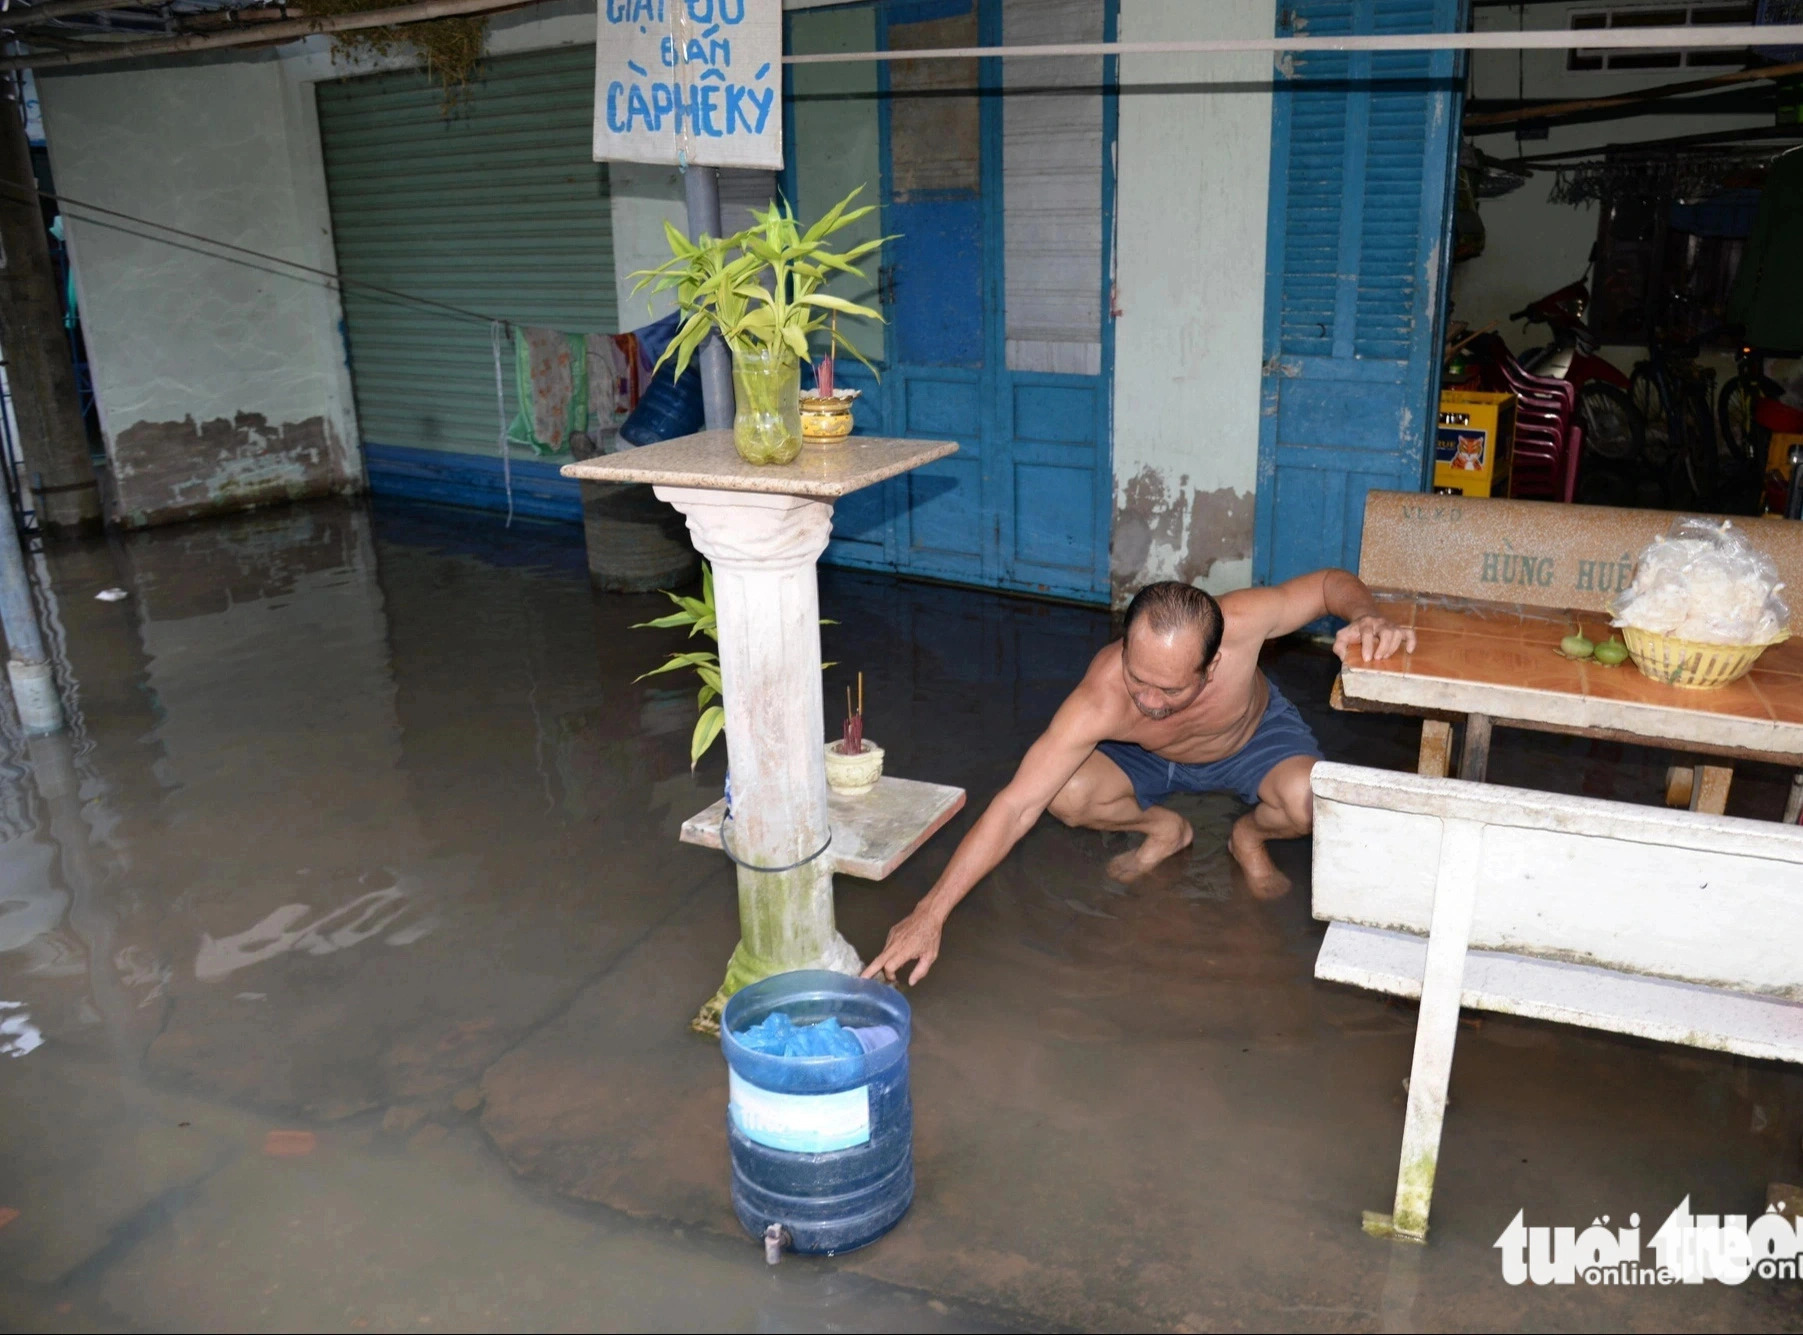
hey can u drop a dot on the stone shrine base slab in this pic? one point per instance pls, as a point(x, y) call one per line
point(872, 834)
point(708, 460)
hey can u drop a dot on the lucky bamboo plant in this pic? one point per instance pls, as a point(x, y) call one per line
point(761, 287)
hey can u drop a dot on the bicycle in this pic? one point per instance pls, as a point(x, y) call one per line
point(1674, 398)
point(1739, 397)
point(1740, 411)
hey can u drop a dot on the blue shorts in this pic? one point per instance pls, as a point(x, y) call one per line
point(1280, 734)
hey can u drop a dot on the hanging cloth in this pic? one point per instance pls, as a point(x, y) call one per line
point(613, 385)
point(551, 386)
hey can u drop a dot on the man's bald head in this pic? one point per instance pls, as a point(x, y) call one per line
point(1169, 607)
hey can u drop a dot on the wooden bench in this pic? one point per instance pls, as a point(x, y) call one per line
point(1668, 925)
point(1553, 558)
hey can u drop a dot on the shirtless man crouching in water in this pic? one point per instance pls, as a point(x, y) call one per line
point(1177, 705)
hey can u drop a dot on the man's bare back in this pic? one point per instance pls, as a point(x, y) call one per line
point(1181, 686)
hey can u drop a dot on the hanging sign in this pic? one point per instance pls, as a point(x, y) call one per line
point(689, 82)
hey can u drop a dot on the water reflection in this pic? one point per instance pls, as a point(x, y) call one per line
point(368, 915)
point(18, 1035)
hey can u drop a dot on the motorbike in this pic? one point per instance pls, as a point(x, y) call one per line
point(1614, 469)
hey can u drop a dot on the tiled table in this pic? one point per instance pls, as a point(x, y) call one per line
point(1499, 664)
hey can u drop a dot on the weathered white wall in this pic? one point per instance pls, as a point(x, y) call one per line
point(218, 383)
point(643, 198)
point(1194, 161)
point(1533, 245)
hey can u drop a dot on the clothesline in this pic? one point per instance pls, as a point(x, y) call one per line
point(1586, 39)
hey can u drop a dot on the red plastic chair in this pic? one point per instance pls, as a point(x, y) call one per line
point(1574, 450)
point(1539, 463)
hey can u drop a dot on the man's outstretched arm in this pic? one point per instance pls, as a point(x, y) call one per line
point(1339, 593)
point(1046, 768)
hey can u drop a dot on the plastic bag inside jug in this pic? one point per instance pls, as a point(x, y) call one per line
point(1704, 581)
point(779, 1036)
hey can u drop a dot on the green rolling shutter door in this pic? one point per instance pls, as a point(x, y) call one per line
point(498, 209)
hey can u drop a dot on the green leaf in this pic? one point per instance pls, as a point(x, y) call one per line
point(864, 248)
point(766, 252)
point(676, 662)
point(852, 348)
point(709, 726)
point(829, 221)
point(839, 304)
point(705, 694)
point(664, 623)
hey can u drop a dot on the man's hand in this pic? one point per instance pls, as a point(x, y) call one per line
point(915, 937)
point(1374, 637)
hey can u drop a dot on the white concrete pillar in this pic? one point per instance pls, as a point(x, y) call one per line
point(763, 549)
point(34, 695)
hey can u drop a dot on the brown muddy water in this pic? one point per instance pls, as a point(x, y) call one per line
point(351, 918)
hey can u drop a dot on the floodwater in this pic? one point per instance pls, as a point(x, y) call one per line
point(347, 950)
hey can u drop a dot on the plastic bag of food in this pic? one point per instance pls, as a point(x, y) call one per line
point(1704, 581)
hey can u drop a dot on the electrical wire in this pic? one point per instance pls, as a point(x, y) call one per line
point(97, 214)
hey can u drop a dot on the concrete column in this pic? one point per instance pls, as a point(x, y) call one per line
point(763, 549)
point(39, 368)
point(27, 665)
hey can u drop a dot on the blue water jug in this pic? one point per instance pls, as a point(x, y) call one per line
point(822, 1147)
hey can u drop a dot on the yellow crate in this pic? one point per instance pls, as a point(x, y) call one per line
point(1473, 442)
point(1692, 664)
point(1777, 452)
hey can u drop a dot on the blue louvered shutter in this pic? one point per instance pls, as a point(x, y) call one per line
point(1363, 146)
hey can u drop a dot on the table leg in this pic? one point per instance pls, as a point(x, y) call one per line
point(1793, 806)
point(1437, 1026)
point(1436, 748)
point(1680, 782)
point(1474, 760)
point(1709, 789)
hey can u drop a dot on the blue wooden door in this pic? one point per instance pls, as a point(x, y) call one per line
point(1363, 147)
point(993, 293)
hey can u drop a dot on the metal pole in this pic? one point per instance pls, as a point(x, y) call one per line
point(34, 683)
point(701, 187)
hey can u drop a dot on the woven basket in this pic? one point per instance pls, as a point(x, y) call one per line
point(1692, 664)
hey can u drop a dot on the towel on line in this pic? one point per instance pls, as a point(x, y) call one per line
point(573, 389)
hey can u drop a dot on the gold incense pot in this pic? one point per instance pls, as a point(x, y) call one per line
point(826, 418)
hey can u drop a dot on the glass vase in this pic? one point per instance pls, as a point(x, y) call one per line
point(766, 424)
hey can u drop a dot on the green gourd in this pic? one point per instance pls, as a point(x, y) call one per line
point(1611, 653)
